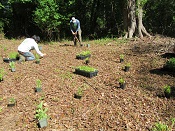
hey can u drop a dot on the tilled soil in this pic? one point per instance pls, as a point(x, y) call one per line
point(104, 106)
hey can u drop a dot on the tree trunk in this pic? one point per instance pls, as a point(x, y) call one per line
point(132, 18)
point(132, 24)
point(141, 28)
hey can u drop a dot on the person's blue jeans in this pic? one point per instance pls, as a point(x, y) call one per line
point(29, 56)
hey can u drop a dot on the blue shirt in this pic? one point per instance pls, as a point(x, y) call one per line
point(75, 26)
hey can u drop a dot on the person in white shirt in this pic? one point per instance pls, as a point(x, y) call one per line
point(27, 45)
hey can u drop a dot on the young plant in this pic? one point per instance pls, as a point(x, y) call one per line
point(37, 58)
point(87, 61)
point(121, 81)
point(11, 102)
point(12, 65)
point(79, 93)
point(38, 83)
point(13, 55)
point(41, 112)
point(1, 74)
point(84, 53)
point(160, 127)
point(167, 91)
point(86, 68)
point(121, 56)
point(128, 65)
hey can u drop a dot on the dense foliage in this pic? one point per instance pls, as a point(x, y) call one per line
point(99, 18)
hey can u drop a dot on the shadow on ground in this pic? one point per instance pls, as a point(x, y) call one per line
point(168, 55)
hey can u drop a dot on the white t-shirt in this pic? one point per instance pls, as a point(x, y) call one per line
point(29, 44)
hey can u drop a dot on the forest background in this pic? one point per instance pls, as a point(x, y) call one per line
point(99, 18)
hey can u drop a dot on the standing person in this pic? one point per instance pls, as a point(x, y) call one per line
point(76, 30)
point(26, 46)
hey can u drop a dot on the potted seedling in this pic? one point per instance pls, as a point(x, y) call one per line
point(38, 85)
point(121, 58)
point(1, 74)
point(37, 61)
point(12, 66)
point(86, 71)
point(83, 55)
point(167, 91)
point(41, 115)
point(87, 61)
point(127, 67)
point(13, 56)
point(79, 93)
point(122, 83)
point(11, 102)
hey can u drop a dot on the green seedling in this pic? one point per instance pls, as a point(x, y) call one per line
point(41, 112)
point(13, 55)
point(80, 91)
point(37, 58)
point(2, 73)
point(84, 53)
point(38, 83)
point(167, 89)
point(121, 56)
point(86, 68)
point(12, 100)
point(160, 127)
point(87, 61)
point(12, 64)
point(128, 65)
point(121, 81)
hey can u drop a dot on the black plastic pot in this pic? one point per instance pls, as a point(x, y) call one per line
point(11, 104)
point(38, 89)
point(77, 96)
point(121, 60)
point(167, 95)
point(127, 68)
point(37, 62)
point(123, 85)
point(1, 79)
point(13, 70)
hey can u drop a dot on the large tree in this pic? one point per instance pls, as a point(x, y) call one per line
point(133, 18)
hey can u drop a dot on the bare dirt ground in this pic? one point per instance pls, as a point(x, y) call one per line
point(104, 106)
